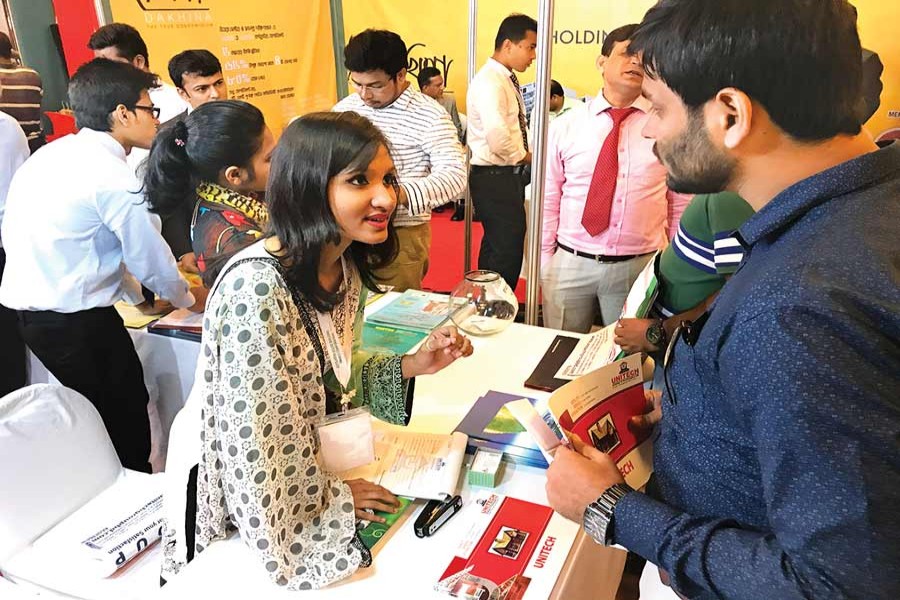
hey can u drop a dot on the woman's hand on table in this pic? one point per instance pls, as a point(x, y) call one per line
point(368, 495)
point(442, 347)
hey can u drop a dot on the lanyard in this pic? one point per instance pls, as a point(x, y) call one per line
point(338, 355)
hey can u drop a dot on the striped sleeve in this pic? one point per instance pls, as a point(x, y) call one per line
point(728, 253)
point(694, 251)
point(446, 180)
point(727, 212)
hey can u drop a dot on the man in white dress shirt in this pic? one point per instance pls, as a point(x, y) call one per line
point(430, 162)
point(13, 152)
point(74, 222)
point(123, 43)
point(497, 136)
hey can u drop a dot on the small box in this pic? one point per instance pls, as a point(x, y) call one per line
point(485, 469)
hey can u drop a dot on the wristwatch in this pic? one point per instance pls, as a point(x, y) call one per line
point(656, 334)
point(599, 513)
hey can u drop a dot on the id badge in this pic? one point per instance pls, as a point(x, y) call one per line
point(346, 440)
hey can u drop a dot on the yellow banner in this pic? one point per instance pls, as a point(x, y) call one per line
point(436, 31)
point(276, 54)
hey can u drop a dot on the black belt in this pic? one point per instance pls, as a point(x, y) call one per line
point(598, 257)
point(498, 170)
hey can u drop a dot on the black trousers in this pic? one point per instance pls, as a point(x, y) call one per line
point(12, 347)
point(91, 352)
point(498, 196)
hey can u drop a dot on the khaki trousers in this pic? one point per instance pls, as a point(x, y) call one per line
point(409, 268)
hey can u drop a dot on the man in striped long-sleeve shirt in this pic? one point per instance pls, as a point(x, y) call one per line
point(22, 96)
point(430, 162)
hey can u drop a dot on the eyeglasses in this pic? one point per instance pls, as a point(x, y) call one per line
point(689, 331)
point(152, 109)
point(375, 87)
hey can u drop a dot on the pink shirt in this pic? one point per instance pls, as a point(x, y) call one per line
point(645, 213)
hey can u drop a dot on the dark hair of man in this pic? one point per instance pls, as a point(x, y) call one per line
point(5, 46)
point(99, 86)
point(514, 28)
point(619, 34)
point(556, 89)
point(799, 59)
point(426, 74)
point(200, 63)
point(198, 148)
point(126, 39)
point(374, 50)
point(311, 152)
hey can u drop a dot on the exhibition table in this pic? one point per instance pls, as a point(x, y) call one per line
point(405, 566)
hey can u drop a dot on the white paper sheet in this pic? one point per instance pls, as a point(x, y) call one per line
point(590, 353)
point(418, 465)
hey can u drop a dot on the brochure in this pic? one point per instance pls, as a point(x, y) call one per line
point(379, 338)
point(513, 550)
point(597, 408)
point(489, 424)
point(414, 309)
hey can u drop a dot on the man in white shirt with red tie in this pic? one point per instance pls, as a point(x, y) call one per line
point(606, 206)
point(497, 135)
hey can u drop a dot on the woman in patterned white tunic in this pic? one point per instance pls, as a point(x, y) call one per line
point(265, 376)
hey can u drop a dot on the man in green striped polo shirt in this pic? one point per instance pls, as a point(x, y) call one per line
point(692, 269)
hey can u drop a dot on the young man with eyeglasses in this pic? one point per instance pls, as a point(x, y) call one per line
point(431, 164)
point(75, 220)
point(777, 464)
point(123, 43)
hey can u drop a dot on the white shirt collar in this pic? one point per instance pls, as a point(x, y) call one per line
point(600, 104)
point(498, 66)
point(104, 139)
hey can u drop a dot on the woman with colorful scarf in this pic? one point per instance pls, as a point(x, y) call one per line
point(212, 164)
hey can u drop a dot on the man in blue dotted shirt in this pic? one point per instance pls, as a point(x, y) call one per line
point(778, 456)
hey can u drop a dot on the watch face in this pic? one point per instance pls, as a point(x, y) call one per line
point(655, 334)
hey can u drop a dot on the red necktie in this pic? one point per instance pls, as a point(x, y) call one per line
point(598, 204)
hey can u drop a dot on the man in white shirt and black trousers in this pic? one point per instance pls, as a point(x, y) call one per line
point(497, 136)
point(75, 220)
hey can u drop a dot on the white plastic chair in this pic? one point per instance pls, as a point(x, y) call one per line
point(58, 472)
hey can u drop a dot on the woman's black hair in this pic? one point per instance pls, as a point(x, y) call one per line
point(196, 148)
point(312, 151)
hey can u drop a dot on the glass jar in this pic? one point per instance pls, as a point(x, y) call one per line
point(483, 304)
